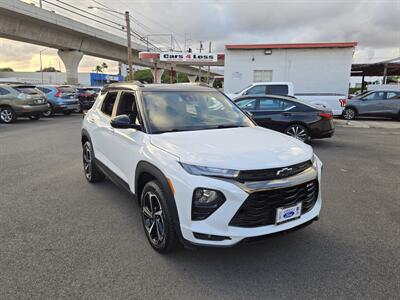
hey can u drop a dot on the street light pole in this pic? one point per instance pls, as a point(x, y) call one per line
point(41, 63)
point(128, 32)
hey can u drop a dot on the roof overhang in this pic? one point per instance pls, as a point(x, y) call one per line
point(291, 46)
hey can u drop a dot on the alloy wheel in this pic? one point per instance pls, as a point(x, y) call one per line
point(349, 114)
point(6, 115)
point(153, 218)
point(87, 161)
point(298, 132)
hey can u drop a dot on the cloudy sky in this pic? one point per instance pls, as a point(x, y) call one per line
point(375, 25)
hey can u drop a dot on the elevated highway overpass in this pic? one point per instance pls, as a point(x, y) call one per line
point(27, 23)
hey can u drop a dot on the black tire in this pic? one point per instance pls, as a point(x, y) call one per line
point(158, 223)
point(7, 115)
point(298, 131)
point(349, 113)
point(67, 113)
point(35, 117)
point(49, 113)
point(92, 173)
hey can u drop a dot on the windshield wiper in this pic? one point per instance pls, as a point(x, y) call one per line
point(228, 126)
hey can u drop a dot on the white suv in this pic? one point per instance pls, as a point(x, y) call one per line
point(203, 173)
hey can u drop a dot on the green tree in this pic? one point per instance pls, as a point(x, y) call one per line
point(144, 75)
point(6, 69)
point(100, 68)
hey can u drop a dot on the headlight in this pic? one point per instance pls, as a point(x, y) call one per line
point(208, 171)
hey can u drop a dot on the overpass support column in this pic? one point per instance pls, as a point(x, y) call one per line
point(157, 74)
point(71, 60)
point(192, 78)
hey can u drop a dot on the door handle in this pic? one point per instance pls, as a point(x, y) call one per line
point(287, 114)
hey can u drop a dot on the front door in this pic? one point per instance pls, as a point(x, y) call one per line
point(126, 143)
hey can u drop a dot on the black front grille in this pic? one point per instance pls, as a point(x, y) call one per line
point(259, 209)
point(276, 173)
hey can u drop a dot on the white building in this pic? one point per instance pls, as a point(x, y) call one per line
point(312, 68)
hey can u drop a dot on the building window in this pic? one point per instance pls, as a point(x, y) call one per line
point(262, 75)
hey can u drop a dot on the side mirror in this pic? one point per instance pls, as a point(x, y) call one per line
point(124, 122)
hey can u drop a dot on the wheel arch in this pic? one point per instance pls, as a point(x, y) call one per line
point(352, 107)
point(146, 172)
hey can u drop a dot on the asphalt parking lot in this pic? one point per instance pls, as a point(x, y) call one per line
point(61, 237)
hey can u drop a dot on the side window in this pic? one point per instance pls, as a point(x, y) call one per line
point(271, 104)
point(247, 104)
point(3, 91)
point(393, 95)
point(280, 89)
point(375, 96)
point(127, 106)
point(257, 90)
point(108, 103)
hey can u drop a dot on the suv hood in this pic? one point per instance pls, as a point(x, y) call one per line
point(243, 148)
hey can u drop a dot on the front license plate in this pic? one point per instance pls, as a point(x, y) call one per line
point(284, 214)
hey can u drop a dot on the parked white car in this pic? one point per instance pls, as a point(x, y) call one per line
point(332, 101)
point(202, 171)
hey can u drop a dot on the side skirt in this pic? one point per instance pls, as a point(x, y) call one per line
point(113, 177)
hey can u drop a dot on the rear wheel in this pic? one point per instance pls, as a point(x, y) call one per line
point(50, 112)
point(298, 131)
point(349, 113)
point(157, 218)
point(92, 173)
point(7, 115)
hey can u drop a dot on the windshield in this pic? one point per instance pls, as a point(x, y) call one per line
point(184, 111)
point(238, 92)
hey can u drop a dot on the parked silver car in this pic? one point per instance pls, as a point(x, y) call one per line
point(380, 103)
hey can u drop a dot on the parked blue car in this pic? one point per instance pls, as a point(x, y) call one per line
point(61, 99)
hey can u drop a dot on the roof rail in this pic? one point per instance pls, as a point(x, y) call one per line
point(196, 83)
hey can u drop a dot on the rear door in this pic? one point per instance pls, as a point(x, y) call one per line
point(272, 113)
point(102, 131)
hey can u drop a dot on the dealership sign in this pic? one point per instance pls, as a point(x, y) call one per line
point(188, 57)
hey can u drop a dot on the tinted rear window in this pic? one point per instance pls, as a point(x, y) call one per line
point(278, 89)
point(27, 89)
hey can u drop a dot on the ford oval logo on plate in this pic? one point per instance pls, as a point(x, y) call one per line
point(288, 214)
point(284, 214)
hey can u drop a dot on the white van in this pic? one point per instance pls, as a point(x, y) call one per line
point(335, 102)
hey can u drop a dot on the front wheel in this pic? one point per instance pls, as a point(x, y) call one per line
point(7, 115)
point(298, 131)
point(157, 219)
point(349, 113)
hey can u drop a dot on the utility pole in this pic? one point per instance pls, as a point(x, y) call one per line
point(201, 48)
point(40, 4)
point(128, 32)
point(208, 69)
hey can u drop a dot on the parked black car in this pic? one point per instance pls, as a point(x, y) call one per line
point(87, 96)
point(289, 115)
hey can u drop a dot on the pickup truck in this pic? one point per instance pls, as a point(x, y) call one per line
point(333, 101)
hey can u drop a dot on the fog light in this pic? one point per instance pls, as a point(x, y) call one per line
point(205, 202)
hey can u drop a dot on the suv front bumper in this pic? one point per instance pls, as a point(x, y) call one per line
point(216, 230)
